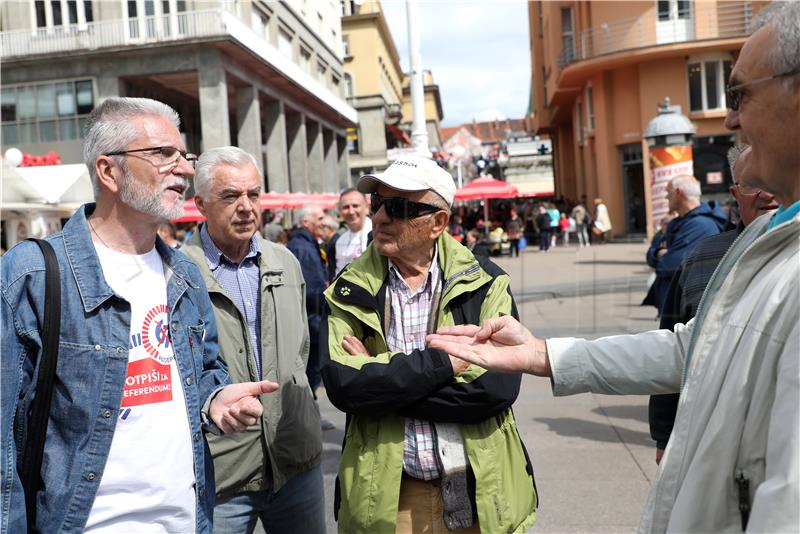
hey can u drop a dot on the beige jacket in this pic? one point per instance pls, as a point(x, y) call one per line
point(738, 416)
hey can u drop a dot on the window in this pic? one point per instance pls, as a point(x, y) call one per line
point(579, 121)
point(345, 46)
point(285, 42)
point(46, 112)
point(49, 13)
point(707, 78)
point(259, 22)
point(589, 109)
point(305, 60)
point(348, 85)
point(567, 35)
point(322, 70)
point(335, 84)
point(674, 9)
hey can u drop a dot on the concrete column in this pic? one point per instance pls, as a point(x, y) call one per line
point(298, 152)
point(330, 183)
point(107, 87)
point(248, 120)
point(315, 161)
point(344, 167)
point(277, 153)
point(213, 101)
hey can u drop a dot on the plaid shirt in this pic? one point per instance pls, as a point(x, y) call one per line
point(408, 325)
point(240, 281)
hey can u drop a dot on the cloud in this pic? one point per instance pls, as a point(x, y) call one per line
point(478, 52)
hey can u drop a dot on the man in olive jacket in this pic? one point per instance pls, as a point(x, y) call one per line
point(271, 470)
point(431, 443)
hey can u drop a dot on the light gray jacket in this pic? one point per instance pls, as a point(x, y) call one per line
point(287, 440)
point(739, 414)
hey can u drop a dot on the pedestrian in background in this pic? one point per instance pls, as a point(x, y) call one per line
point(555, 216)
point(543, 223)
point(272, 472)
point(581, 217)
point(696, 220)
point(514, 231)
point(563, 225)
point(691, 278)
point(352, 242)
point(304, 244)
point(602, 222)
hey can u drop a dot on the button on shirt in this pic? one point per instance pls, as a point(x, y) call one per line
point(408, 325)
point(240, 281)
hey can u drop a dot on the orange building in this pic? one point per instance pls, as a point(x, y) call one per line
point(599, 71)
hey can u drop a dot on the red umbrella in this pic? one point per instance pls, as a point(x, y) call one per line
point(484, 188)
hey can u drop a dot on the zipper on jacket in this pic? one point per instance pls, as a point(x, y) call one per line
point(743, 485)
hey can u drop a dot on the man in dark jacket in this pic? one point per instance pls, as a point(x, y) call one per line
point(305, 247)
point(691, 278)
point(695, 221)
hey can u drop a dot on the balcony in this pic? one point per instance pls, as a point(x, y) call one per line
point(92, 36)
point(706, 20)
point(184, 26)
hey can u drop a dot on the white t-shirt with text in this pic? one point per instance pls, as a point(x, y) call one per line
point(148, 484)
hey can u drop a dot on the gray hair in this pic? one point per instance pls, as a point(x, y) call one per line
point(211, 159)
point(301, 214)
point(108, 129)
point(733, 157)
point(784, 18)
point(688, 184)
point(330, 222)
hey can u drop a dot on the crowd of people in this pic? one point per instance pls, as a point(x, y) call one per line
point(183, 395)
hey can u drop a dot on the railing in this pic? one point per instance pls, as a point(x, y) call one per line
point(708, 20)
point(113, 33)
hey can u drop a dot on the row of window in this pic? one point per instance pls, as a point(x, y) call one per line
point(45, 112)
point(58, 17)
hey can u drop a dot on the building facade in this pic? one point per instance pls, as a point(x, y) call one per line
point(265, 76)
point(599, 71)
point(377, 88)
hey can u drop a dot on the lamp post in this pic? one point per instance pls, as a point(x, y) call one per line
point(669, 140)
point(419, 135)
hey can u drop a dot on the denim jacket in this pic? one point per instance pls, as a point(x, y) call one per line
point(90, 376)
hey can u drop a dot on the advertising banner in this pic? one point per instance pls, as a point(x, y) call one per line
point(666, 163)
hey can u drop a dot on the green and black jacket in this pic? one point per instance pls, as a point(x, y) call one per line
point(378, 391)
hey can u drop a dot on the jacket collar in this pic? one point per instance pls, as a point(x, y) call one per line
point(85, 265)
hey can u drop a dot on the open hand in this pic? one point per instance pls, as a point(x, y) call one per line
point(500, 344)
point(238, 406)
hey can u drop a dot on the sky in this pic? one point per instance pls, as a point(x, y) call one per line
point(478, 53)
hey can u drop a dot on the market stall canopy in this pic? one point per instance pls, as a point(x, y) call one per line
point(484, 188)
point(59, 188)
point(269, 201)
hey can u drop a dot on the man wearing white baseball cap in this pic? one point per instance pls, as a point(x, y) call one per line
point(431, 442)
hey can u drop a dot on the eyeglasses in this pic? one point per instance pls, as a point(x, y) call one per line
point(401, 208)
point(734, 93)
point(168, 155)
point(748, 190)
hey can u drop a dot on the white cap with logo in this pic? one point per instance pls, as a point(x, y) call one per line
point(412, 173)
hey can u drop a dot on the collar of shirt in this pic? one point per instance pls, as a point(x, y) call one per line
point(214, 256)
point(398, 284)
point(784, 214)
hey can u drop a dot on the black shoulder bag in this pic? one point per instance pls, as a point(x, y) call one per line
point(30, 471)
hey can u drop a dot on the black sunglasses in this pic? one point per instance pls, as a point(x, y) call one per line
point(400, 208)
point(734, 93)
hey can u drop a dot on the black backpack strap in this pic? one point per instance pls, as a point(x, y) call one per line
point(30, 472)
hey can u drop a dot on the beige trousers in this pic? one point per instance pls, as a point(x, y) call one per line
point(420, 509)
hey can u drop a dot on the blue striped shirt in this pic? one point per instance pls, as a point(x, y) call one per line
point(240, 282)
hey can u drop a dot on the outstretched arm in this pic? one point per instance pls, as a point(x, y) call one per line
point(501, 344)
